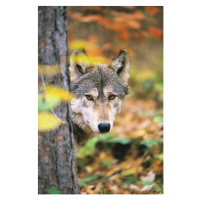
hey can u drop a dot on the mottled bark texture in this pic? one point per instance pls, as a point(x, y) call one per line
point(56, 158)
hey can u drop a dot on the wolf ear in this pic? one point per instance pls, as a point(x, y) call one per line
point(79, 64)
point(121, 64)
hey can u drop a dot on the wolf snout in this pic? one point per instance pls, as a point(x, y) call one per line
point(104, 127)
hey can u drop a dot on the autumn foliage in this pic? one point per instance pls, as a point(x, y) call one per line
point(130, 159)
point(114, 27)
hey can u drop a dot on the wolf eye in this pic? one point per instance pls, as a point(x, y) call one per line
point(89, 97)
point(111, 97)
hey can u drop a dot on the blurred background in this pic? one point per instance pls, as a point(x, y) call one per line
point(129, 160)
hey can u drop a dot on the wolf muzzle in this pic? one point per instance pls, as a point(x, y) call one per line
point(104, 127)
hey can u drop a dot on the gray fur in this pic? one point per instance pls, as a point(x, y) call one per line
point(99, 79)
point(86, 78)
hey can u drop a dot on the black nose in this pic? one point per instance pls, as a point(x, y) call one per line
point(104, 127)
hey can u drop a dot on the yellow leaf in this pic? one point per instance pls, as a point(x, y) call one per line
point(47, 102)
point(128, 172)
point(59, 93)
point(79, 58)
point(78, 44)
point(98, 59)
point(48, 70)
point(92, 59)
point(47, 121)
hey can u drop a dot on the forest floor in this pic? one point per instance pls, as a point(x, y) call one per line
point(129, 160)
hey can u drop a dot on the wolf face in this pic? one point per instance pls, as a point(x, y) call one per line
point(98, 91)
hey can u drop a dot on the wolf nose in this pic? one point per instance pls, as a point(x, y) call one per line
point(104, 127)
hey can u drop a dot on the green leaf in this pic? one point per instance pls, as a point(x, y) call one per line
point(109, 191)
point(149, 143)
point(159, 87)
point(47, 121)
point(52, 191)
point(101, 191)
point(146, 182)
point(47, 102)
point(119, 140)
point(157, 187)
point(147, 84)
point(106, 163)
point(80, 163)
point(158, 119)
point(160, 156)
point(87, 149)
point(160, 183)
point(129, 180)
point(105, 137)
point(82, 183)
point(91, 178)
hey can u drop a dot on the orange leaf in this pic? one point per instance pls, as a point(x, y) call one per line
point(77, 16)
point(156, 32)
point(107, 46)
point(124, 35)
point(92, 50)
point(138, 15)
point(103, 21)
point(133, 24)
point(92, 37)
point(152, 9)
point(89, 18)
point(118, 27)
point(141, 36)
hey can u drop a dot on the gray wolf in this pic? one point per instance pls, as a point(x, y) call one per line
point(98, 91)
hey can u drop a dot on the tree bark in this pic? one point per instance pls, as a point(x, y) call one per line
point(56, 158)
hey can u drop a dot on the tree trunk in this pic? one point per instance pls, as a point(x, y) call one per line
point(56, 158)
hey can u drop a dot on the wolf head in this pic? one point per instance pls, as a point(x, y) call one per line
point(98, 90)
